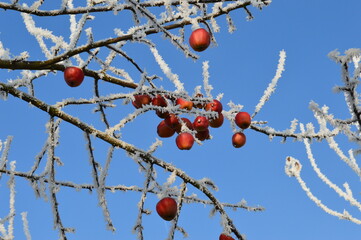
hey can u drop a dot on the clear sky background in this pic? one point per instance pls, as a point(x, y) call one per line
point(241, 66)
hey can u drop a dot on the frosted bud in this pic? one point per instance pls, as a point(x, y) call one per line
point(293, 167)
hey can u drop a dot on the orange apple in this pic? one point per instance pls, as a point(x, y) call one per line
point(184, 104)
point(238, 139)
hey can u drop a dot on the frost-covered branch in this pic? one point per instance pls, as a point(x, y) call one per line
point(330, 129)
point(53, 189)
point(272, 86)
point(293, 168)
point(106, 8)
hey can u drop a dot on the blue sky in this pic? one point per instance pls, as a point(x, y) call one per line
point(241, 66)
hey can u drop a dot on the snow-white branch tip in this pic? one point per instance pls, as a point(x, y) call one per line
point(272, 85)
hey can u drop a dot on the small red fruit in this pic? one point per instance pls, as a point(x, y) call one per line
point(164, 131)
point(200, 39)
point(167, 208)
point(238, 139)
point(243, 120)
point(215, 106)
point(159, 101)
point(172, 121)
point(200, 105)
point(217, 122)
point(73, 76)
point(184, 104)
point(140, 100)
point(162, 114)
point(188, 124)
point(184, 141)
point(200, 124)
point(225, 237)
point(203, 135)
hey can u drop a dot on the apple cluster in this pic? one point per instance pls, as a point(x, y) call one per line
point(186, 129)
point(167, 208)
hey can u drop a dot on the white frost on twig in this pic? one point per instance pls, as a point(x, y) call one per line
point(11, 184)
point(154, 146)
point(4, 53)
point(324, 178)
point(26, 225)
point(167, 71)
point(231, 27)
point(40, 34)
point(323, 117)
point(207, 87)
point(345, 215)
point(216, 8)
point(5, 152)
point(272, 86)
point(293, 168)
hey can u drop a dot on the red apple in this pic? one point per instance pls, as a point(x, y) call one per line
point(164, 131)
point(225, 237)
point(184, 104)
point(200, 124)
point(172, 121)
point(200, 39)
point(243, 120)
point(140, 100)
point(200, 105)
point(162, 114)
point(167, 208)
point(188, 124)
point(238, 139)
point(215, 106)
point(217, 122)
point(73, 76)
point(203, 135)
point(159, 101)
point(184, 141)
